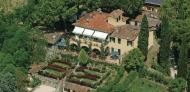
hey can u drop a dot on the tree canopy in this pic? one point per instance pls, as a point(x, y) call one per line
point(143, 36)
point(177, 85)
point(83, 57)
point(134, 59)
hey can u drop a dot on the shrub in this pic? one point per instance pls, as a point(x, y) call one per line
point(35, 82)
point(131, 77)
point(156, 66)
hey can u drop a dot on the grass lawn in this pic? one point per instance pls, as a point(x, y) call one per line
point(148, 86)
point(56, 73)
point(61, 64)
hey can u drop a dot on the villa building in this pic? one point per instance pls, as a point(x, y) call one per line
point(152, 5)
point(116, 32)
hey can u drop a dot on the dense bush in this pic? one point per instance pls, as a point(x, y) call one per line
point(157, 67)
point(109, 85)
point(35, 82)
point(144, 73)
point(131, 77)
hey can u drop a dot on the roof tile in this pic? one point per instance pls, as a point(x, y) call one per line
point(97, 22)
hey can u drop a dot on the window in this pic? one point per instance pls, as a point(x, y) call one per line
point(117, 19)
point(136, 23)
point(129, 43)
point(148, 8)
point(119, 51)
point(112, 49)
point(119, 41)
point(112, 39)
point(65, 89)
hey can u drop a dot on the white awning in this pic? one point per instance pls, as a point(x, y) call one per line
point(88, 32)
point(78, 30)
point(100, 35)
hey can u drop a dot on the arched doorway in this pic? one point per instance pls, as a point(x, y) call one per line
point(96, 51)
point(85, 48)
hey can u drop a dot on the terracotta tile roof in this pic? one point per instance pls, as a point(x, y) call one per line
point(49, 36)
point(125, 18)
point(77, 88)
point(115, 13)
point(152, 22)
point(97, 22)
point(138, 18)
point(148, 13)
point(128, 32)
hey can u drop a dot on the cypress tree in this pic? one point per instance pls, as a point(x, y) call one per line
point(164, 50)
point(183, 59)
point(143, 37)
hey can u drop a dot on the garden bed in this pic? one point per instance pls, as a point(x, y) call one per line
point(87, 76)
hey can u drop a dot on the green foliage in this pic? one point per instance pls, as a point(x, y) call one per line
point(47, 12)
point(109, 86)
point(131, 77)
point(156, 66)
point(67, 43)
point(175, 8)
point(177, 85)
point(90, 47)
point(83, 57)
point(164, 50)
point(134, 59)
point(35, 82)
point(102, 52)
point(119, 88)
point(7, 83)
point(128, 6)
point(143, 36)
point(183, 59)
point(78, 45)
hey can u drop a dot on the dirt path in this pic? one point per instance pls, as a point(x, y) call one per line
point(152, 52)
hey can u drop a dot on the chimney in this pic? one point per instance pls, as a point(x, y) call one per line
point(91, 16)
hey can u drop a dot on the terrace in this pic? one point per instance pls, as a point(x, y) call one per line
point(86, 41)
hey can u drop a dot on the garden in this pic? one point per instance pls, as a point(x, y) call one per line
point(93, 74)
point(89, 76)
point(56, 69)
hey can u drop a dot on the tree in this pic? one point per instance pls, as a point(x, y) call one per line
point(48, 12)
point(38, 42)
point(134, 59)
point(78, 45)
point(143, 36)
point(177, 85)
point(102, 54)
point(175, 8)
point(183, 59)
point(67, 43)
point(83, 57)
point(90, 47)
point(128, 6)
point(7, 83)
point(164, 50)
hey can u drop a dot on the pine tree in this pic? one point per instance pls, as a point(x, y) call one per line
point(164, 51)
point(143, 37)
point(183, 59)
